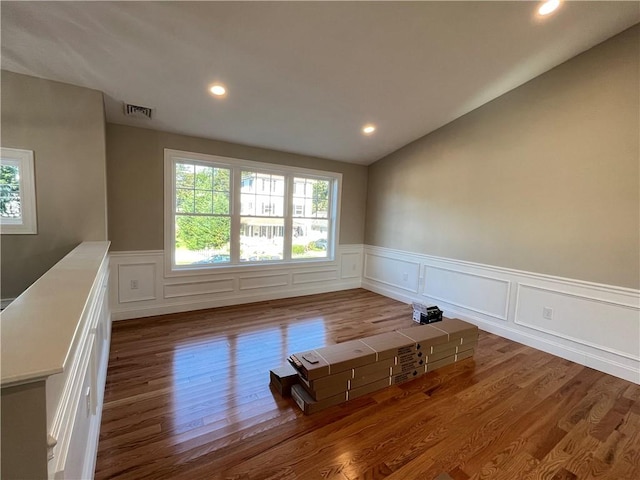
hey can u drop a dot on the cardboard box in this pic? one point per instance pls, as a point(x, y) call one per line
point(322, 393)
point(441, 363)
point(325, 361)
point(456, 328)
point(411, 357)
point(360, 381)
point(380, 365)
point(406, 367)
point(425, 336)
point(466, 346)
point(391, 344)
point(443, 347)
point(283, 378)
point(308, 405)
point(406, 376)
point(441, 354)
point(369, 388)
point(337, 380)
point(465, 354)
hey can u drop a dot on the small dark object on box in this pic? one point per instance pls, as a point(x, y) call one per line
point(283, 378)
point(423, 314)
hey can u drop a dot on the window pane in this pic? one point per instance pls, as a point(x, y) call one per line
point(184, 200)
point(202, 240)
point(204, 178)
point(312, 196)
point(309, 238)
point(221, 179)
point(184, 175)
point(261, 239)
point(10, 204)
point(221, 203)
point(262, 194)
point(203, 201)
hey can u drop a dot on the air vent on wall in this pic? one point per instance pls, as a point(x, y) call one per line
point(137, 111)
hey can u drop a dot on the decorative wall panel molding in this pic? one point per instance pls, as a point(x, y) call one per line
point(478, 293)
point(592, 324)
point(403, 274)
point(156, 295)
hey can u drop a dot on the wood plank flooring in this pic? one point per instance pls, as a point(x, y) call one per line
point(187, 397)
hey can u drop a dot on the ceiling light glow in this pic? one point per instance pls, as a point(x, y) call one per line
point(368, 129)
point(548, 7)
point(218, 90)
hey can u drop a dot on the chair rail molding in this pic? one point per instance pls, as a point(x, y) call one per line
point(157, 294)
point(589, 323)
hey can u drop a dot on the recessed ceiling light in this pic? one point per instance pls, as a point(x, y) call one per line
point(368, 129)
point(217, 90)
point(548, 7)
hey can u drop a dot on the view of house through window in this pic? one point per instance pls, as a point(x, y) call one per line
point(227, 214)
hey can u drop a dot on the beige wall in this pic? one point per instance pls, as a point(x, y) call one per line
point(135, 171)
point(543, 179)
point(64, 125)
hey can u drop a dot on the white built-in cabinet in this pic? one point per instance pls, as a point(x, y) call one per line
point(55, 349)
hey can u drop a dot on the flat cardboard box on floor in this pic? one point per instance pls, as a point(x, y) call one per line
point(406, 367)
point(325, 361)
point(466, 346)
point(406, 376)
point(441, 363)
point(322, 393)
point(308, 405)
point(360, 381)
point(374, 367)
point(465, 354)
point(337, 380)
point(369, 388)
point(390, 344)
point(283, 378)
point(425, 336)
point(457, 328)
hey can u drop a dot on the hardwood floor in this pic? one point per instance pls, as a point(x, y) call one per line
point(187, 397)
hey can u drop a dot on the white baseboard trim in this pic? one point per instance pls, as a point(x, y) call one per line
point(591, 324)
point(156, 294)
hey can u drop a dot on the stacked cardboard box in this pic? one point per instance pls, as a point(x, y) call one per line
point(337, 373)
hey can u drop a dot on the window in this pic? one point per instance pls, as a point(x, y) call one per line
point(17, 192)
point(229, 212)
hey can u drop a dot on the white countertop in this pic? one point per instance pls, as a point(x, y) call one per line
point(37, 329)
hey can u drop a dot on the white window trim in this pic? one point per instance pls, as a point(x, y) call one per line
point(28, 224)
point(172, 156)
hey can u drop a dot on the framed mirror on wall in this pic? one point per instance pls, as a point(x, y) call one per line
point(17, 192)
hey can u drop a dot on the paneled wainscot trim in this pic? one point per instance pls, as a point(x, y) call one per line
point(591, 324)
point(139, 288)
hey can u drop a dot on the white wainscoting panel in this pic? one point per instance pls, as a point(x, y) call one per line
point(571, 313)
point(251, 282)
point(591, 324)
point(156, 294)
point(316, 276)
point(199, 287)
point(136, 282)
point(478, 293)
point(399, 273)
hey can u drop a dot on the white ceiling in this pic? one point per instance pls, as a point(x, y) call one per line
point(302, 77)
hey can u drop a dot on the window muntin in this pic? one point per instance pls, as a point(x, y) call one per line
point(17, 192)
point(230, 212)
